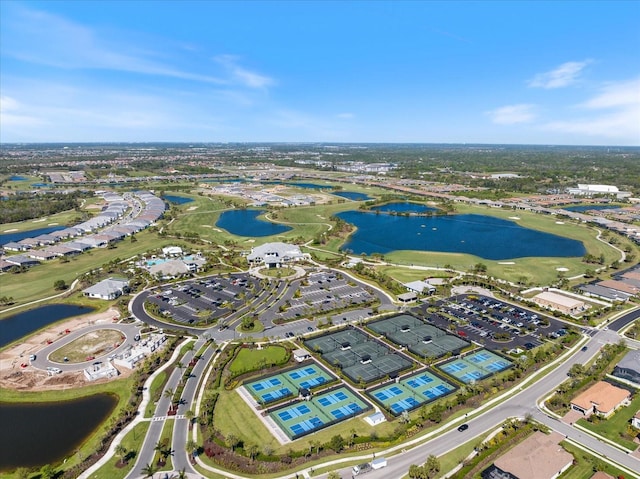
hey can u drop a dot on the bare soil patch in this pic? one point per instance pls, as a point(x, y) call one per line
point(13, 376)
point(95, 343)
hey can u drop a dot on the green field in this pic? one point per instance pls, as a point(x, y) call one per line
point(586, 464)
point(132, 442)
point(253, 359)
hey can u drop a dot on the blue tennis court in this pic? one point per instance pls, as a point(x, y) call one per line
point(325, 409)
point(476, 366)
point(288, 383)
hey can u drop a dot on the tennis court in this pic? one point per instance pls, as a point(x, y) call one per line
point(359, 356)
point(288, 383)
point(326, 409)
point(411, 392)
point(419, 337)
point(476, 366)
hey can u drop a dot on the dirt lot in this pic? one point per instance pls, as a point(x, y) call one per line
point(12, 376)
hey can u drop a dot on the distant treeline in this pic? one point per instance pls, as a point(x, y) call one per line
point(26, 207)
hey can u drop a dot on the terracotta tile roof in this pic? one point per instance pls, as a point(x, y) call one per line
point(603, 395)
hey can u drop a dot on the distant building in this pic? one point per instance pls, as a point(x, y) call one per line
point(602, 398)
point(591, 190)
point(629, 368)
point(172, 251)
point(407, 297)
point(170, 269)
point(375, 419)
point(635, 420)
point(275, 254)
point(559, 302)
point(540, 456)
point(107, 289)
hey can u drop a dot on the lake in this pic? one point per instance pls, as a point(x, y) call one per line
point(20, 235)
point(22, 324)
point(352, 195)
point(484, 236)
point(246, 223)
point(404, 207)
point(17, 178)
point(178, 200)
point(581, 208)
point(46, 433)
point(310, 186)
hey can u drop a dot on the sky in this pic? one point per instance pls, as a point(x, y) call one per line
point(510, 72)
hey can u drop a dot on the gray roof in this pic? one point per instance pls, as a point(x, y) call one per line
point(281, 250)
point(603, 292)
point(631, 361)
point(107, 287)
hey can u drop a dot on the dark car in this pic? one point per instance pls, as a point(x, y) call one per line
point(463, 427)
point(584, 348)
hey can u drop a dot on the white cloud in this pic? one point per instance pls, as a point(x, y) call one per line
point(612, 113)
point(46, 39)
point(345, 116)
point(242, 75)
point(565, 75)
point(512, 114)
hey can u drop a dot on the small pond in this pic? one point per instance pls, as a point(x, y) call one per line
point(178, 200)
point(404, 207)
point(46, 433)
point(22, 324)
point(16, 236)
point(352, 195)
point(246, 223)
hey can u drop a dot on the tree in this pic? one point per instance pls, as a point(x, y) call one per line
point(191, 447)
point(334, 475)
point(22, 473)
point(47, 472)
point(121, 452)
point(190, 415)
point(252, 450)
point(59, 285)
point(336, 443)
point(432, 466)
point(232, 441)
point(149, 470)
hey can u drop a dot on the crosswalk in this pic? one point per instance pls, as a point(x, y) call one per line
point(164, 418)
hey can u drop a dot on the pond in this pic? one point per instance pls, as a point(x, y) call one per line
point(352, 195)
point(484, 236)
point(581, 208)
point(46, 433)
point(22, 324)
point(17, 178)
point(404, 207)
point(16, 236)
point(178, 200)
point(310, 186)
point(246, 223)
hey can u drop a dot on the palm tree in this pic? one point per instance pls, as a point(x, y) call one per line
point(121, 452)
point(191, 447)
point(149, 470)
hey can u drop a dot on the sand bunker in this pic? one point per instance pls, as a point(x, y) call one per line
point(191, 208)
point(562, 269)
point(514, 217)
point(559, 222)
point(506, 262)
point(11, 230)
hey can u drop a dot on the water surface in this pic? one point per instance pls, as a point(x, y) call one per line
point(352, 195)
point(479, 235)
point(178, 200)
point(247, 223)
point(21, 324)
point(404, 207)
point(20, 235)
point(46, 433)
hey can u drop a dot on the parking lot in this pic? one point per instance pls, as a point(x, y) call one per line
point(321, 293)
point(207, 301)
point(493, 323)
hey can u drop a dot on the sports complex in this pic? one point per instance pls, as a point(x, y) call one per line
point(422, 339)
point(411, 392)
point(359, 356)
point(327, 408)
point(288, 383)
point(475, 366)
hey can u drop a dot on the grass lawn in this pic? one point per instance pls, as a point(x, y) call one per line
point(132, 442)
point(157, 385)
point(64, 218)
point(584, 464)
point(405, 275)
point(234, 416)
point(616, 425)
point(167, 438)
point(253, 359)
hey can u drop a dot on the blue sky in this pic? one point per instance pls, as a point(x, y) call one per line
point(426, 72)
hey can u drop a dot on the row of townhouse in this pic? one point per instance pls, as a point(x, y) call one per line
point(101, 231)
